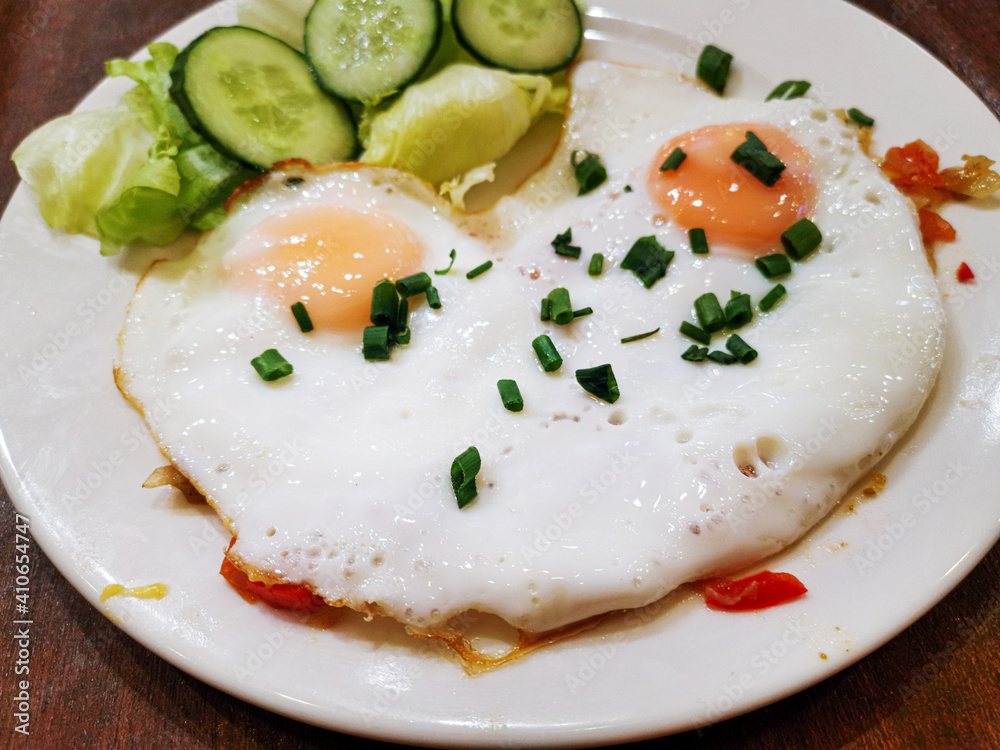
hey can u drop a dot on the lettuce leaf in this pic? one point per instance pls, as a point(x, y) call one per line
point(462, 118)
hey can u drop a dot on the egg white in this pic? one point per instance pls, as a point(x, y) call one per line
point(338, 476)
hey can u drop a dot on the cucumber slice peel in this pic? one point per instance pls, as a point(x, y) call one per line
point(254, 98)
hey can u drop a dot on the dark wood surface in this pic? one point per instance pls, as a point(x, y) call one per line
point(937, 685)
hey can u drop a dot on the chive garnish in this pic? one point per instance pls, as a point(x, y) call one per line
point(599, 381)
point(709, 313)
point(510, 394)
point(596, 264)
point(754, 157)
point(694, 332)
point(741, 349)
point(860, 117)
point(270, 365)
point(402, 324)
point(640, 336)
point(563, 247)
point(560, 306)
point(590, 173)
point(546, 311)
point(801, 238)
point(789, 90)
point(772, 298)
point(723, 358)
point(699, 244)
point(773, 265)
point(672, 162)
point(443, 271)
point(401, 337)
point(433, 298)
point(463, 475)
point(385, 303)
point(695, 353)
point(713, 67)
point(302, 317)
point(546, 352)
point(413, 285)
point(375, 343)
point(479, 270)
point(738, 311)
point(627, 189)
point(648, 260)
point(583, 312)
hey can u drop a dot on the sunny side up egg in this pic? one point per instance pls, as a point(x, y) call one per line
point(337, 477)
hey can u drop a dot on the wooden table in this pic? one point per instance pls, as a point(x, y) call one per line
point(935, 686)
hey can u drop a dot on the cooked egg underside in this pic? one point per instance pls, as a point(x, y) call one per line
point(337, 477)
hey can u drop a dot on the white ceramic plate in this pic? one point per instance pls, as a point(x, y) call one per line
point(74, 455)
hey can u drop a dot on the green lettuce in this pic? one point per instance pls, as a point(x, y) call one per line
point(463, 118)
point(133, 173)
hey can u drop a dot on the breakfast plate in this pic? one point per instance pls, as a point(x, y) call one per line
point(75, 455)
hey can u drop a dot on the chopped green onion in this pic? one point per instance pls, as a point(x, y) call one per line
point(695, 353)
point(561, 308)
point(413, 285)
point(546, 352)
point(709, 313)
point(754, 157)
point(563, 247)
point(590, 173)
point(385, 303)
point(546, 311)
point(401, 337)
point(302, 317)
point(479, 270)
point(402, 317)
point(738, 311)
point(860, 117)
point(271, 365)
point(599, 381)
point(375, 343)
point(583, 312)
point(694, 332)
point(640, 336)
point(627, 189)
point(699, 244)
point(713, 67)
point(801, 238)
point(789, 90)
point(741, 349)
point(648, 260)
point(773, 265)
point(433, 298)
point(672, 162)
point(772, 298)
point(723, 358)
point(545, 314)
point(443, 271)
point(596, 264)
point(463, 475)
point(510, 394)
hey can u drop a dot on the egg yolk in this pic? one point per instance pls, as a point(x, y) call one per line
point(712, 192)
point(328, 259)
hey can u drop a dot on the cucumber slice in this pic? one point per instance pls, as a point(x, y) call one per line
point(364, 50)
point(254, 98)
point(526, 36)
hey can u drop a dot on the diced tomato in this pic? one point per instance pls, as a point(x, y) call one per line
point(964, 273)
point(912, 165)
point(759, 591)
point(282, 595)
point(934, 228)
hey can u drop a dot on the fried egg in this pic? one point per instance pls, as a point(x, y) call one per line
point(337, 476)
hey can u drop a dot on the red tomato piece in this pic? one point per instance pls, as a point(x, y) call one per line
point(934, 228)
point(914, 165)
point(759, 591)
point(964, 273)
point(281, 595)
